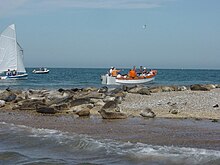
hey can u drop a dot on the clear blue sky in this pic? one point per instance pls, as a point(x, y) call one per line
point(104, 33)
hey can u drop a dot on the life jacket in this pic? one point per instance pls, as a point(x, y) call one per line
point(114, 73)
point(132, 74)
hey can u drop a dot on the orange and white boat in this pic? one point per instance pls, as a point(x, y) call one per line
point(120, 80)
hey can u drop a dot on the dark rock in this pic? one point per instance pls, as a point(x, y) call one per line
point(112, 115)
point(215, 106)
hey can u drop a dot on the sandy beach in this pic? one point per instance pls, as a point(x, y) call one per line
point(194, 125)
point(189, 104)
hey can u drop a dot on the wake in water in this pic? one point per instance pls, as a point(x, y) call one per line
point(25, 145)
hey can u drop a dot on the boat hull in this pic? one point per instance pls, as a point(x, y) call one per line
point(134, 81)
point(40, 72)
point(15, 77)
point(109, 80)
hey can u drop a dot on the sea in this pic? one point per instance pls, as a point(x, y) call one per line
point(23, 145)
point(84, 77)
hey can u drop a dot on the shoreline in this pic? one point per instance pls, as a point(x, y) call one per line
point(183, 118)
point(159, 131)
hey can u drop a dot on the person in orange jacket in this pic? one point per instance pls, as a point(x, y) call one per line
point(132, 73)
point(115, 72)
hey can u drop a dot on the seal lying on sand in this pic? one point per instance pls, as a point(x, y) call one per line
point(112, 115)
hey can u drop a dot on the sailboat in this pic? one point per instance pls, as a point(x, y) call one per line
point(11, 56)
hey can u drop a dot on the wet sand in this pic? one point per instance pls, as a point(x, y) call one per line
point(159, 131)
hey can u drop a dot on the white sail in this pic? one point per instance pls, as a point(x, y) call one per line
point(10, 51)
point(20, 64)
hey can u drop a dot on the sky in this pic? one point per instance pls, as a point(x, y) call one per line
point(166, 34)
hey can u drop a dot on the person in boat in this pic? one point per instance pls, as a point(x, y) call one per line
point(8, 73)
point(132, 73)
point(110, 71)
point(145, 72)
point(115, 72)
point(140, 71)
point(14, 72)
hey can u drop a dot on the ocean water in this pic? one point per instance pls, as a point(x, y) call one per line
point(83, 77)
point(24, 145)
